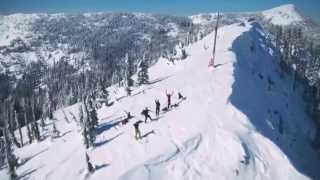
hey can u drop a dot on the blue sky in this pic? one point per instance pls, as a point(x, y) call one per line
point(175, 7)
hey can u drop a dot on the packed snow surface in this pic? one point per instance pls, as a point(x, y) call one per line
point(233, 124)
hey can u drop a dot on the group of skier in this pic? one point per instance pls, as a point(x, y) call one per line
point(146, 112)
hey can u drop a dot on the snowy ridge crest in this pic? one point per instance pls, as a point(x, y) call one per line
point(283, 15)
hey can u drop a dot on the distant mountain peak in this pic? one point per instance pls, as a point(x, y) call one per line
point(283, 15)
point(286, 6)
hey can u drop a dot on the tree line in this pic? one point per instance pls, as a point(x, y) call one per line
point(30, 100)
point(299, 59)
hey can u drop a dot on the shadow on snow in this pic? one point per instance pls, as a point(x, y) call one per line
point(251, 97)
point(158, 80)
point(108, 140)
point(108, 125)
point(147, 134)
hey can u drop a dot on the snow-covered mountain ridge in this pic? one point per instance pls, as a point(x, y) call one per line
point(287, 15)
point(239, 120)
point(233, 124)
point(283, 15)
point(26, 38)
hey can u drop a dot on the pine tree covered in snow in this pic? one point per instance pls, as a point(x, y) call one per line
point(11, 122)
point(92, 112)
point(88, 120)
point(102, 94)
point(90, 127)
point(19, 127)
point(26, 121)
point(11, 159)
point(129, 71)
point(183, 54)
point(54, 131)
point(143, 75)
point(34, 125)
point(89, 165)
point(83, 126)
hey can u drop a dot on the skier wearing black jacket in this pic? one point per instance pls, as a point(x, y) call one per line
point(137, 130)
point(157, 107)
point(145, 112)
point(169, 99)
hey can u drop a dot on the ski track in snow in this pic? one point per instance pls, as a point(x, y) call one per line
point(216, 133)
point(159, 163)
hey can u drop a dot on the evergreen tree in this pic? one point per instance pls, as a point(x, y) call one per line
point(92, 112)
point(11, 160)
point(89, 125)
point(103, 93)
point(54, 132)
point(183, 54)
point(26, 121)
point(89, 165)
point(87, 119)
point(129, 71)
point(11, 124)
point(83, 126)
point(143, 76)
point(34, 124)
point(19, 127)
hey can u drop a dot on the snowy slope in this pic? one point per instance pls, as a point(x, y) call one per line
point(283, 15)
point(227, 128)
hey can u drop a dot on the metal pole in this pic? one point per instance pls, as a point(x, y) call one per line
point(215, 41)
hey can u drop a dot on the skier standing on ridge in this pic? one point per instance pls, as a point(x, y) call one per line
point(180, 96)
point(129, 116)
point(145, 112)
point(137, 130)
point(157, 107)
point(126, 120)
point(169, 99)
